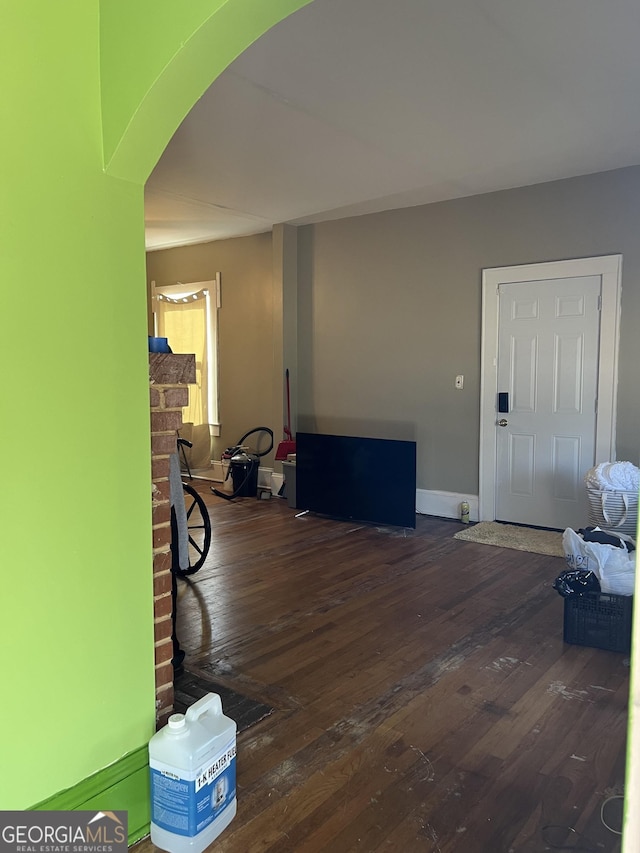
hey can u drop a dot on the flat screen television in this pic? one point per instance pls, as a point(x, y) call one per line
point(364, 479)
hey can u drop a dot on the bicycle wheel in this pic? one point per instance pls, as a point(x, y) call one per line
point(199, 527)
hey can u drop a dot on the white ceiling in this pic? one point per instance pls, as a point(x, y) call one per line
point(355, 106)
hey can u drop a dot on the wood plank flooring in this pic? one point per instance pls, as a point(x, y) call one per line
point(425, 700)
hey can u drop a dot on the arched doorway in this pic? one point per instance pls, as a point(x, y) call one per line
point(182, 55)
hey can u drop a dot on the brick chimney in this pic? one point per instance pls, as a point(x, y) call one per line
point(170, 374)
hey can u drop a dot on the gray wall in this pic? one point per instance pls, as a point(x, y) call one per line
point(389, 311)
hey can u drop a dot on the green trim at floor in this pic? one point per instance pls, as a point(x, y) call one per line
point(123, 785)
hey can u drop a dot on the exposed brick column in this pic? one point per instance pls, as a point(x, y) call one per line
point(169, 376)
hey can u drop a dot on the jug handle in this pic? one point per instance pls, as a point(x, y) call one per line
point(209, 702)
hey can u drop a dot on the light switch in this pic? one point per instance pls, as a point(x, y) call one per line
point(459, 382)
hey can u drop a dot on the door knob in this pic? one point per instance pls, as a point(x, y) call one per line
point(503, 422)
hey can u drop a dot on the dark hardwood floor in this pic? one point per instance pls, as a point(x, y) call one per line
point(425, 700)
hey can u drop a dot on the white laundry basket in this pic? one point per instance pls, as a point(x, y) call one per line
point(614, 510)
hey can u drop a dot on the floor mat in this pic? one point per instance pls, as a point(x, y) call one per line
point(532, 539)
point(189, 687)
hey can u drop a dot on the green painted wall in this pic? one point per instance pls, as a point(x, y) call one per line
point(76, 608)
point(76, 603)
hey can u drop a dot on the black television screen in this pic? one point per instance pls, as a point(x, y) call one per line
point(364, 479)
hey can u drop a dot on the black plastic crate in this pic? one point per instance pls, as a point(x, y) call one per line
point(601, 620)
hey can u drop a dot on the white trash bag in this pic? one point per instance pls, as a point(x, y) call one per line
point(614, 567)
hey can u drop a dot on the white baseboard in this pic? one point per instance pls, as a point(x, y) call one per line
point(445, 504)
point(428, 502)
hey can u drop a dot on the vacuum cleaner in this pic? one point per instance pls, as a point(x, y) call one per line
point(243, 466)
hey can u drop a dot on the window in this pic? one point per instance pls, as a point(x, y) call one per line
point(187, 314)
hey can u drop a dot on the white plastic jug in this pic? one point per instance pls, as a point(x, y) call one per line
point(193, 777)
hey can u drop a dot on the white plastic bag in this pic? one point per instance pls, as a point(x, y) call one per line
point(614, 567)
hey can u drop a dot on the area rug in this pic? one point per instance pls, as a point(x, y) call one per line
point(531, 539)
point(189, 687)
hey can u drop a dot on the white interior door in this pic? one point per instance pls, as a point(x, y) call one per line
point(548, 343)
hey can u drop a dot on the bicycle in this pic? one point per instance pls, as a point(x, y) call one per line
point(198, 526)
point(198, 532)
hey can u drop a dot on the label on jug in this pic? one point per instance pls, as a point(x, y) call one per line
point(186, 801)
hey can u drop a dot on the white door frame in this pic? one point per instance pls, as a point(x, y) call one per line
point(609, 267)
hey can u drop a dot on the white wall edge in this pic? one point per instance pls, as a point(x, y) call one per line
point(445, 504)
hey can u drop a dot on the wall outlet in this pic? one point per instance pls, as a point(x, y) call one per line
point(459, 382)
